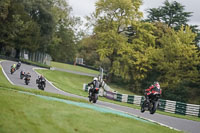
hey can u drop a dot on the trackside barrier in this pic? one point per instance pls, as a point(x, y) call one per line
point(164, 105)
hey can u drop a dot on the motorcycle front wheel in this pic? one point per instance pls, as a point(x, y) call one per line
point(90, 96)
point(95, 98)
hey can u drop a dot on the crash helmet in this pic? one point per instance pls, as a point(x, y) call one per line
point(95, 79)
point(156, 83)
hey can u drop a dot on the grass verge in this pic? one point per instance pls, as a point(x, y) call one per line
point(73, 68)
point(34, 63)
point(25, 113)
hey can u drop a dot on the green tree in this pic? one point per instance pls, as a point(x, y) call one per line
point(111, 17)
point(177, 61)
point(172, 14)
point(64, 37)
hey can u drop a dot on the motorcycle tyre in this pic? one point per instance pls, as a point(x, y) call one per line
point(95, 98)
point(153, 110)
point(26, 82)
point(90, 96)
point(142, 107)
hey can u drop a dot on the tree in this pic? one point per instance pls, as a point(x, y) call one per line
point(64, 37)
point(111, 17)
point(172, 14)
point(37, 26)
point(177, 61)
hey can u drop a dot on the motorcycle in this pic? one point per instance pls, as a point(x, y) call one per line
point(41, 84)
point(22, 74)
point(18, 66)
point(12, 70)
point(151, 104)
point(93, 94)
point(27, 79)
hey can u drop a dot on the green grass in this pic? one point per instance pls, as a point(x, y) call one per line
point(24, 113)
point(73, 83)
point(34, 63)
point(121, 89)
point(73, 68)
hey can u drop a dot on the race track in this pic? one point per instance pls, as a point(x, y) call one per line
point(177, 123)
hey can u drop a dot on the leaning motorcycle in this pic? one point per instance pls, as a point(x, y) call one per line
point(22, 74)
point(41, 84)
point(152, 104)
point(93, 94)
point(12, 70)
point(27, 79)
point(18, 66)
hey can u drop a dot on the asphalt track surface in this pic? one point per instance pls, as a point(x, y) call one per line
point(187, 126)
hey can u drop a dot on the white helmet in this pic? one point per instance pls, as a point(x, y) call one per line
point(95, 78)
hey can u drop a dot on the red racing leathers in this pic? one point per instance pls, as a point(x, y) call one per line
point(153, 89)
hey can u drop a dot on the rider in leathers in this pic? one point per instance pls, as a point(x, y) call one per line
point(95, 84)
point(154, 88)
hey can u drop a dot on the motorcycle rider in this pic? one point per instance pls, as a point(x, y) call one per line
point(154, 88)
point(27, 76)
point(41, 79)
point(95, 84)
point(18, 64)
point(22, 74)
point(13, 66)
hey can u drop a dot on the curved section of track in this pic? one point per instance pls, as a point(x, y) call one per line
point(172, 122)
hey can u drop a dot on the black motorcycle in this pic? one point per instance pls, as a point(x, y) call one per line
point(18, 66)
point(151, 104)
point(12, 70)
point(27, 79)
point(41, 83)
point(93, 94)
point(22, 74)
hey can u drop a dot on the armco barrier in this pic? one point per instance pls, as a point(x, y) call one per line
point(130, 99)
point(164, 105)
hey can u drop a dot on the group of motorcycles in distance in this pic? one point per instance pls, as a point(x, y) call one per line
point(41, 81)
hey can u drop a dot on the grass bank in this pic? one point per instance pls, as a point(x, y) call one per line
point(73, 68)
point(26, 113)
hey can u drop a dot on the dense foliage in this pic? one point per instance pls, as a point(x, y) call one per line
point(38, 25)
